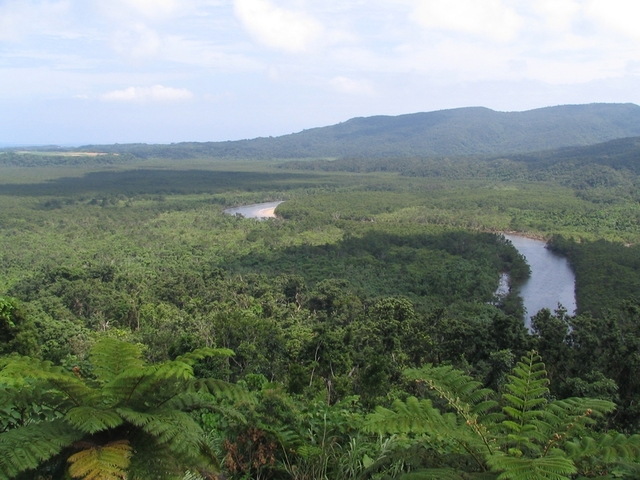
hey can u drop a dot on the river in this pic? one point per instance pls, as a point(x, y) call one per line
point(552, 281)
point(259, 211)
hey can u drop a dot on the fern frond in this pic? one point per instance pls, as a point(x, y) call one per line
point(174, 370)
point(552, 467)
point(613, 448)
point(73, 388)
point(527, 384)
point(452, 383)
point(111, 357)
point(135, 418)
point(222, 390)
point(153, 461)
point(108, 462)
point(195, 356)
point(27, 447)
point(129, 385)
point(190, 401)
point(92, 420)
point(523, 405)
point(463, 394)
point(569, 418)
point(177, 430)
point(288, 439)
point(413, 416)
point(432, 474)
point(192, 476)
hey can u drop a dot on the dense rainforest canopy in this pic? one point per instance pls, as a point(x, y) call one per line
point(146, 334)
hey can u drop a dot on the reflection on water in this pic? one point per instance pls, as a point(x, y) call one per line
point(552, 281)
point(258, 210)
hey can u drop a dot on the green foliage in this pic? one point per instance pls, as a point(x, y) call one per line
point(607, 273)
point(127, 407)
point(363, 276)
point(532, 437)
point(16, 329)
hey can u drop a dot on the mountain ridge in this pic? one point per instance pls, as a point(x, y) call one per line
point(460, 131)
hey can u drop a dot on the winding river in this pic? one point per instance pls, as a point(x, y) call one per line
point(552, 281)
point(259, 211)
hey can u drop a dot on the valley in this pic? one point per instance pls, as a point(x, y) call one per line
point(370, 295)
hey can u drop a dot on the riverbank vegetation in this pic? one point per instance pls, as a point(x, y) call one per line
point(357, 335)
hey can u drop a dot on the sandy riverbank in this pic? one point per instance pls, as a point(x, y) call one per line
point(266, 213)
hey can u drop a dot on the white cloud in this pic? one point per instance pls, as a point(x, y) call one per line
point(156, 93)
point(206, 54)
point(19, 19)
point(351, 86)
point(153, 8)
point(558, 14)
point(279, 28)
point(620, 15)
point(137, 43)
point(487, 18)
point(143, 10)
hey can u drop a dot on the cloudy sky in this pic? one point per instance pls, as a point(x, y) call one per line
point(160, 71)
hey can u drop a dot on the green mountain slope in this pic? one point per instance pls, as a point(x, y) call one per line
point(619, 154)
point(463, 131)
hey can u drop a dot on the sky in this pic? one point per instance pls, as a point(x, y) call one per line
point(159, 71)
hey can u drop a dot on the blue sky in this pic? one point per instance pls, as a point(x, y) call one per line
point(161, 71)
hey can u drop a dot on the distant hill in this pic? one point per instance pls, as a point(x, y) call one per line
point(619, 154)
point(607, 172)
point(457, 132)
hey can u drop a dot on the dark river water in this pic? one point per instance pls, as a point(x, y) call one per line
point(552, 281)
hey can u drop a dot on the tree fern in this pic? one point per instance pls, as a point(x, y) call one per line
point(463, 394)
point(533, 438)
point(551, 467)
point(128, 407)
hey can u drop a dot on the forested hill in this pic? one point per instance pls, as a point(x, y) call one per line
point(619, 154)
point(462, 131)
